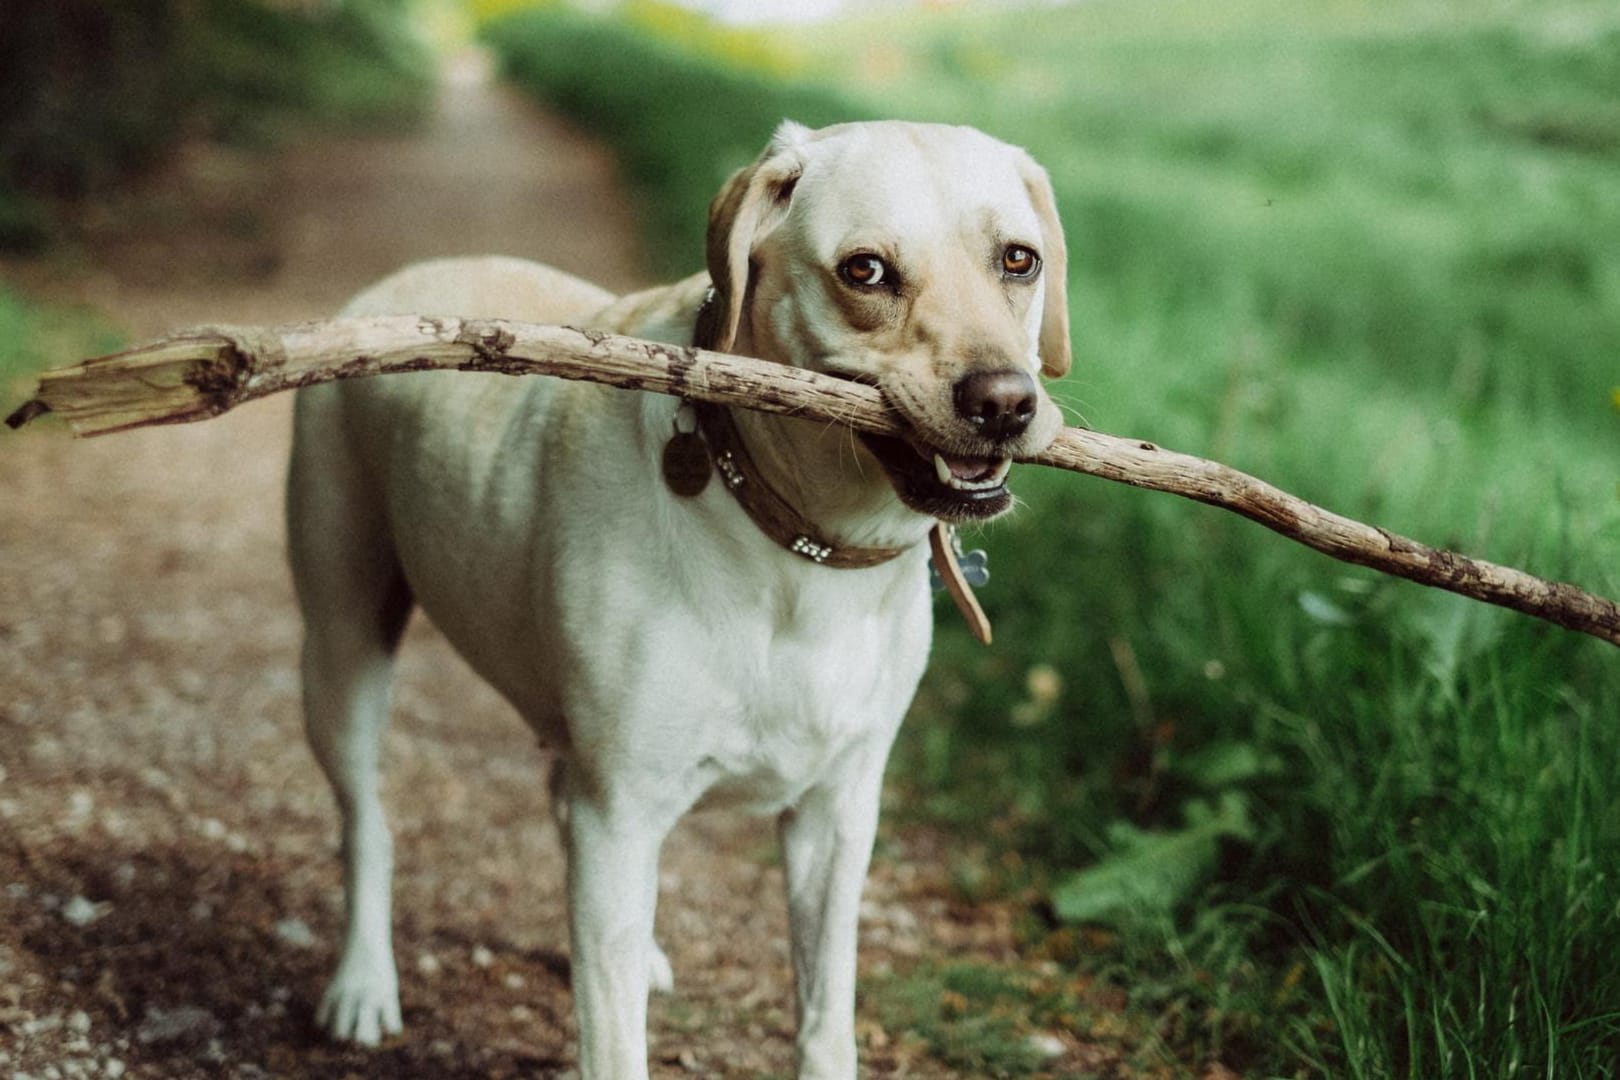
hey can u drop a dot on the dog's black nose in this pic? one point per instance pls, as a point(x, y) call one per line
point(1000, 404)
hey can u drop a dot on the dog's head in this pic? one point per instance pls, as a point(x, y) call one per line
point(924, 259)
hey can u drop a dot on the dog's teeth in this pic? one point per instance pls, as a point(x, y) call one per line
point(942, 469)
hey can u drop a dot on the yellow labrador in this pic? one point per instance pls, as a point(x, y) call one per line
point(689, 606)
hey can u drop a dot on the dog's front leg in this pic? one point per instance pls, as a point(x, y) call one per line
point(612, 895)
point(827, 844)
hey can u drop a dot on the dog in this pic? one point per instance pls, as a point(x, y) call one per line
point(691, 606)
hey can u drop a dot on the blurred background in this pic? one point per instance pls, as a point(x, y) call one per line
point(1311, 821)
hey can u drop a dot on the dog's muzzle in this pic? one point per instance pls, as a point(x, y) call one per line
point(966, 480)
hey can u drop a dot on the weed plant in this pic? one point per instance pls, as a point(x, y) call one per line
point(1371, 253)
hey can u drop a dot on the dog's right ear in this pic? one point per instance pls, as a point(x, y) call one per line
point(752, 203)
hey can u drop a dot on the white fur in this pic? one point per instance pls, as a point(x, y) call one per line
point(665, 649)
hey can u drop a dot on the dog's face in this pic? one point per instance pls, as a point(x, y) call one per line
point(926, 260)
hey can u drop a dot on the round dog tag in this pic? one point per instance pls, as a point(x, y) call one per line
point(686, 463)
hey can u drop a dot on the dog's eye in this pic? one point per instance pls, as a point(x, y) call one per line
point(864, 271)
point(1019, 261)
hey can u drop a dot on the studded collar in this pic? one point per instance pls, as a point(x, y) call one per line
point(774, 515)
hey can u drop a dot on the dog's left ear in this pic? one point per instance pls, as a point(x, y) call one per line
point(1056, 353)
point(752, 203)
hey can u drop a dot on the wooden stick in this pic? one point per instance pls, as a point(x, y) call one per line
point(200, 373)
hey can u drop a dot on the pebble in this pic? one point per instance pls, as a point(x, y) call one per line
point(482, 957)
point(180, 1022)
point(296, 932)
point(1047, 1045)
point(82, 912)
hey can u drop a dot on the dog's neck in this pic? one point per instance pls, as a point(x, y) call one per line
point(816, 471)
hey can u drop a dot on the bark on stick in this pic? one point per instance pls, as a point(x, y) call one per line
point(200, 373)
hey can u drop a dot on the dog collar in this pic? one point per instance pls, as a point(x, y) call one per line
point(686, 464)
point(775, 516)
point(717, 439)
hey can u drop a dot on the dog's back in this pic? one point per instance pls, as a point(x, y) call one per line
point(360, 448)
point(484, 286)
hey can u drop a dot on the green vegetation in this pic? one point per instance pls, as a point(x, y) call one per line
point(20, 354)
point(95, 92)
point(680, 120)
point(1350, 827)
point(32, 337)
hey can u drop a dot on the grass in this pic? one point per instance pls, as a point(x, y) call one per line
point(1371, 253)
point(680, 121)
point(33, 337)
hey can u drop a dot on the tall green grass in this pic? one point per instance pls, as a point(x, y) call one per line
point(1371, 253)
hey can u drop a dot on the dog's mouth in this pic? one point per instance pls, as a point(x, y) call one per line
point(951, 487)
point(934, 481)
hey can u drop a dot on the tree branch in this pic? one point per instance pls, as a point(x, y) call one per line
point(200, 373)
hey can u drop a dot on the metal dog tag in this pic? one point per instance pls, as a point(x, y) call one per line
point(975, 566)
point(686, 464)
point(686, 456)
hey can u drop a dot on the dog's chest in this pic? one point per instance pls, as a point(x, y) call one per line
point(787, 709)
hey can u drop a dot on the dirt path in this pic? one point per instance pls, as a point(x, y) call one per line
point(168, 881)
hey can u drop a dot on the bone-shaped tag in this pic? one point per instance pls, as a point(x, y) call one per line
point(975, 566)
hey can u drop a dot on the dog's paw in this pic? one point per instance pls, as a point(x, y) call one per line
point(660, 976)
point(361, 1006)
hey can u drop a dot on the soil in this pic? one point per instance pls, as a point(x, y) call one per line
point(169, 888)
